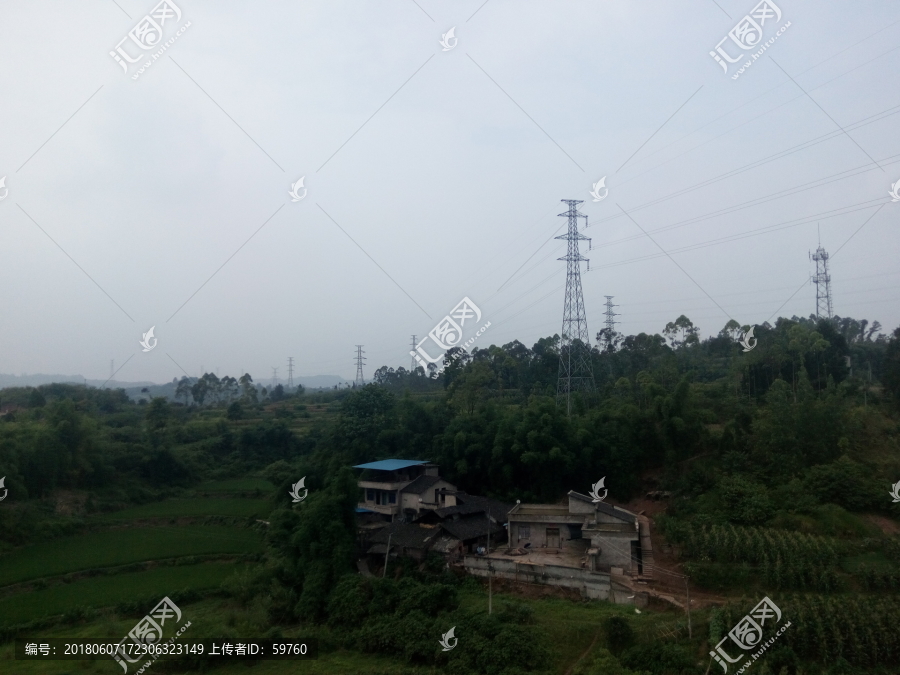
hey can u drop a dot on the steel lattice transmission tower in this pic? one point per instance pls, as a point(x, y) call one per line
point(822, 280)
point(575, 370)
point(359, 366)
point(412, 359)
point(610, 321)
point(290, 371)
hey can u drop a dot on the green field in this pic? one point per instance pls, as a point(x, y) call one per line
point(570, 627)
point(111, 590)
point(120, 547)
point(173, 508)
point(236, 485)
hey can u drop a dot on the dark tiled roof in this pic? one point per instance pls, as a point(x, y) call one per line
point(465, 529)
point(498, 510)
point(459, 509)
point(406, 535)
point(420, 484)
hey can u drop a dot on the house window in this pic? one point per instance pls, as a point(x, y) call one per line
point(392, 497)
point(524, 531)
point(370, 495)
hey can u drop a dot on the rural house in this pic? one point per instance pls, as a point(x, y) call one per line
point(465, 525)
point(402, 488)
point(608, 536)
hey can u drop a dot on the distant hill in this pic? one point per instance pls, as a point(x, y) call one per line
point(38, 379)
point(133, 389)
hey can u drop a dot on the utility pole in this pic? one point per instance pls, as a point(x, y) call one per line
point(575, 370)
point(822, 280)
point(490, 578)
point(688, 589)
point(290, 372)
point(866, 390)
point(386, 554)
point(412, 360)
point(359, 366)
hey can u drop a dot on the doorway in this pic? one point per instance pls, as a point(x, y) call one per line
point(552, 537)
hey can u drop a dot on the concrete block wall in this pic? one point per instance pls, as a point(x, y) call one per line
point(593, 585)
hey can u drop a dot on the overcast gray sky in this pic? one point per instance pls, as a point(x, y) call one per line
point(445, 167)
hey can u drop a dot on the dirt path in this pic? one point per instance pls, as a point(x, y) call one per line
point(666, 560)
point(585, 652)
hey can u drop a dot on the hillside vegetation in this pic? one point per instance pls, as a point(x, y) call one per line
point(780, 462)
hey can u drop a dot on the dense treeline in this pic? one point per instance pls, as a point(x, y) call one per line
point(774, 456)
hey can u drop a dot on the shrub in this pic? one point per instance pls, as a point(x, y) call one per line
point(658, 658)
point(746, 502)
point(349, 603)
point(619, 635)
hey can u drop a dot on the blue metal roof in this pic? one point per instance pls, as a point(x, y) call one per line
point(391, 464)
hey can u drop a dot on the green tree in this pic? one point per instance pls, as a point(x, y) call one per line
point(316, 543)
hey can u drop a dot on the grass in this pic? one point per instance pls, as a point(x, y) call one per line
point(108, 591)
point(874, 559)
point(195, 507)
point(236, 485)
point(568, 627)
point(120, 547)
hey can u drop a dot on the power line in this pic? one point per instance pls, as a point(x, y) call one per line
point(763, 114)
point(676, 264)
point(826, 114)
point(753, 165)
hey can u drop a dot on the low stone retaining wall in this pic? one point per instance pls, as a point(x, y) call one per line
point(594, 585)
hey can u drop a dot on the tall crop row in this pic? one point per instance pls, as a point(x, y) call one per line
point(784, 560)
point(862, 630)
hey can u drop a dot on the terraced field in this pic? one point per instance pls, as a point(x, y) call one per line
point(173, 508)
point(111, 590)
point(120, 547)
point(247, 484)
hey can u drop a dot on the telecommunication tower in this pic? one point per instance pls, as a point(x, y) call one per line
point(610, 321)
point(822, 280)
point(290, 371)
point(359, 366)
point(412, 359)
point(575, 370)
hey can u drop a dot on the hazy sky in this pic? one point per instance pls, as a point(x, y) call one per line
point(126, 196)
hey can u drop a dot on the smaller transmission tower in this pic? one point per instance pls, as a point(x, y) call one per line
point(274, 376)
point(291, 372)
point(359, 366)
point(412, 359)
point(822, 280)
point(610, 321)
